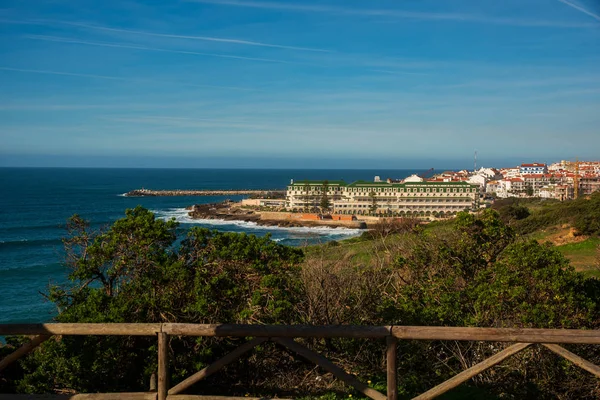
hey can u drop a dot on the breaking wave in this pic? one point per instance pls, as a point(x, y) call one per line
point(181, 216)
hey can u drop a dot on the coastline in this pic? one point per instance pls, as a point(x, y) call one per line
point(232, 211)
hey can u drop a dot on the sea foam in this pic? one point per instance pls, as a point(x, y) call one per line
point(181, 216)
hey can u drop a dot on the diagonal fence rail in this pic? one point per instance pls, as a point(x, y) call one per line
point(284, 336)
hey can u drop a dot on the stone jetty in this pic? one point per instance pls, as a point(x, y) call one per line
point(159, 193)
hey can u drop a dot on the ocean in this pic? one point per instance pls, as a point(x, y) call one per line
point(35, 204)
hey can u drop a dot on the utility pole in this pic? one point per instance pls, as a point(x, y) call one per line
point(475, 164)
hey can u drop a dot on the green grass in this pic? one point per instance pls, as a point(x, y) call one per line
point(583, 255)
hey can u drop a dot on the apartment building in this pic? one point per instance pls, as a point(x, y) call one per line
point(533, 168)
point(416, 199)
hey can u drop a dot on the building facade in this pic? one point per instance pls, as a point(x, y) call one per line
point(534, 168)
point(415, 199)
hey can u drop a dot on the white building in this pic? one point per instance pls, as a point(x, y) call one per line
point(534, 168)
point(414, 178)
point(410, 199)
point(479, 180)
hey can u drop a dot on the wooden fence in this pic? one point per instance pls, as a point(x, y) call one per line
point(285, 334)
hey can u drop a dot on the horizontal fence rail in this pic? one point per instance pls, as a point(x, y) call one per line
point(284, 336)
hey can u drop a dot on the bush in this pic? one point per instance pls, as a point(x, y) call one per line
point(476, 274)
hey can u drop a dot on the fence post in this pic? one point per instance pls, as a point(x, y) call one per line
point(392, 381)
point(163, 362)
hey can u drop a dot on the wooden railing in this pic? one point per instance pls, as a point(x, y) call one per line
point(285, 334)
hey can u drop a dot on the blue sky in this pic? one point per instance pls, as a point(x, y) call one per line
point(335, 84)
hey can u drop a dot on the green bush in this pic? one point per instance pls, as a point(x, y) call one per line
point(474, 272)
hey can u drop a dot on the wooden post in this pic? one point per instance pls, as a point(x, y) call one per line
point(392, 381)
point(163, 362)
point(153, 382)
point(21, 351)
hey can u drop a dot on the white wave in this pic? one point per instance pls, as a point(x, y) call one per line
point(181, 215)
point(122, 195)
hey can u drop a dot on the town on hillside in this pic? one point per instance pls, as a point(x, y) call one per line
point(440, 196)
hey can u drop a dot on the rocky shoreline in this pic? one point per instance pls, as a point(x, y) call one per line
point(231, 211)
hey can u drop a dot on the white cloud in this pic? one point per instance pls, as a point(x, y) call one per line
point(146, 48)
point(176, 36)
point(394, 13)
point(579, 8)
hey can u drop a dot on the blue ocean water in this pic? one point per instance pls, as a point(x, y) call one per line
point(36, 202)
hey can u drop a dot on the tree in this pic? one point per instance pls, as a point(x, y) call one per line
point(137, 271)
point(325, 203)
point(515, 212)
point(307, 195)
point(482, 276)
point(529, 190)
point(373, 197)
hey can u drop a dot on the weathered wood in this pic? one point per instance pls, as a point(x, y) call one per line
point(574, 358)
point(471, 372)
point(82, 396)
point(289, 331)
point(216, 366)
point(346, 331)
point(23, 350)
point(497, 334)
point(153, 385)
point(392, 374)
point(163, 362)
point(80, 329)
point(330, 366)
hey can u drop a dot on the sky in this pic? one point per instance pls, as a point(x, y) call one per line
point(298, 84)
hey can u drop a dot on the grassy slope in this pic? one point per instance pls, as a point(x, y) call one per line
point(364, 250)
point(582, 252)
point(583, 255)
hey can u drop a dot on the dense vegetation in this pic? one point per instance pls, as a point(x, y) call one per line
point(473, 271)
point(530, 215)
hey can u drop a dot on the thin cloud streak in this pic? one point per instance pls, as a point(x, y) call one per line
point(579, 8)
point(116, 78)
point(275, 127)
point(173, 36)
point(146, 48)
point(459, 17)
point(384, 71)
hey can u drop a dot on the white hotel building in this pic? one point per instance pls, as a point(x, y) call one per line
point(415, 199)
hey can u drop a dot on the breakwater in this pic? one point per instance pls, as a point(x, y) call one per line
point(233, 192)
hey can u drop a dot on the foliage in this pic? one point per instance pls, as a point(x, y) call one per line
point(481, 276)
point(135, 272)
point(373, 197)
point(325, 204)
point(588, 222)
point(473, 271)
point(515, 212)
point(583, 214)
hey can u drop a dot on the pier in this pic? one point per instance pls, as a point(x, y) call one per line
point(209, 192)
